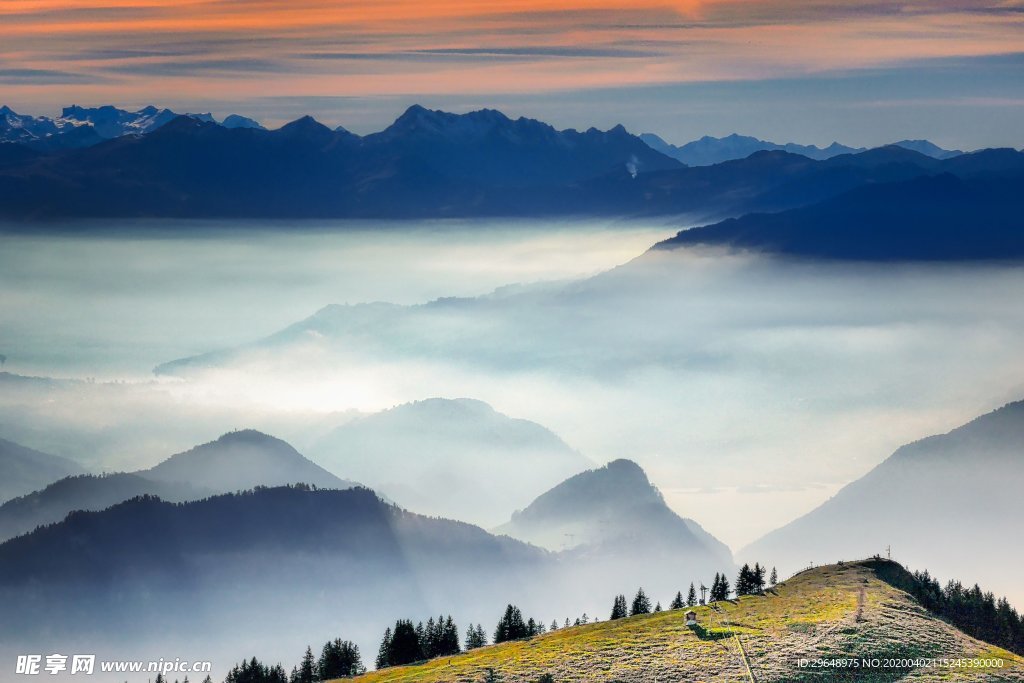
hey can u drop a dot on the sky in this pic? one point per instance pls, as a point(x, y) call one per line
point(863, 73)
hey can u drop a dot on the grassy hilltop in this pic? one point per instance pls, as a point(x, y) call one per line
point(837, 611)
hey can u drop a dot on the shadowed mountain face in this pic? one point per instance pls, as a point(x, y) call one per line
point(934, 218)
point(206, 575)
point(452, 458)
point(25, 470)
point(427, 163)
point(85, 492)
point(613, 520)
point(234, 462)
point(951, 503)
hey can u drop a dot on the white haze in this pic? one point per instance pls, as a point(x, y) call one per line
point(749, 388)
point(126, 297)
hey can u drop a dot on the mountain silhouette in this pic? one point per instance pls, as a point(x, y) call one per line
point(961, 485)
point(241, 460)
point(236, 461)
point(451, 458)
point(931, 218)
point(613, 521)
point(54, 502)
point(710, 150)
point(273, 568)
point(26, 470)
point(426, 163)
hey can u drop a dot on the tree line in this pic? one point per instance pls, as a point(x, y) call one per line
point(975, 612)
point(338, 659)
point(405, 643)
point(750, 581)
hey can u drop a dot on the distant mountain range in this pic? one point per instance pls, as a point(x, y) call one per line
point(78, 127)
point(275, 568)
point(426, 164)
point(459, 459)
point(708, 150)
point(26, 470)
point(950, 502)
point(236, 461)
point(930, 218)
point(210, 570)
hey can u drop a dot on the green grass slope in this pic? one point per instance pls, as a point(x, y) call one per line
point(832, 612)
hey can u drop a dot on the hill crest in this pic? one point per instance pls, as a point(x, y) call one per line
point(847, 611)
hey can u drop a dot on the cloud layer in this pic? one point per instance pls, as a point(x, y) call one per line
point(137, 51)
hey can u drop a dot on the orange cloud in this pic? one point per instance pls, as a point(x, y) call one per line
point(133, 50)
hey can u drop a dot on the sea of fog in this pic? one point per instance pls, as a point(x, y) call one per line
point(112, 300)
point(750, 388)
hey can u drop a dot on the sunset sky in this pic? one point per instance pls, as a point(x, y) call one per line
point(864, 73)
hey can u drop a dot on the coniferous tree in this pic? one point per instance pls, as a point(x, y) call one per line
point(584, 619)
point(384, 653)
point(641, 604)
point(448, 640)
point(511, 626)
point(338, 659)
point(758, 578)
point(619, 609)
point(252, 671)
point(405, 644)
point(428, 638)
point(720, 588)
point(479, 636)
point(745, 581)
point(471, 642)
point(421, 636)
point(657, 607)
point(677, 602)
point(554, 625)
point(691, 596)
point(774, 578)
point(972, 610)
point(724, 588)
point(307, 672)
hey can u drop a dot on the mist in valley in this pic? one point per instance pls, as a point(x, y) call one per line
point(750, 389)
